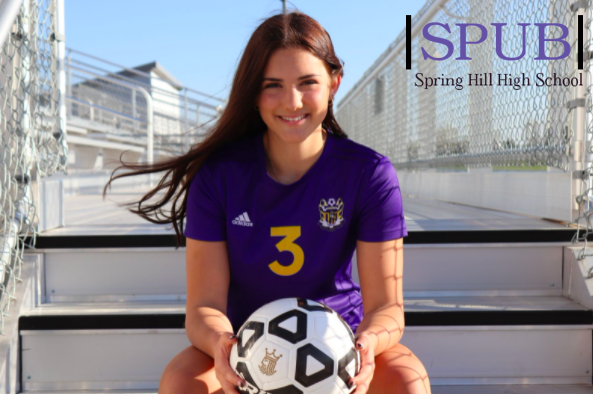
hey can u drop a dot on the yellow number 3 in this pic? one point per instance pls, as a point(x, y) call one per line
point(290, 233)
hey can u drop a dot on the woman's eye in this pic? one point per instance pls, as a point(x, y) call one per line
point(274, 85)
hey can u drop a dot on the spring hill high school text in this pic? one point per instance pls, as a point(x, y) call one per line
point(487, 79)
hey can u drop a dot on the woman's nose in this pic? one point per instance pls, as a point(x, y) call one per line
point(293, 99)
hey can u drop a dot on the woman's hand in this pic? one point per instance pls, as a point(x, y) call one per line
point(224, 373)
point(362, 381)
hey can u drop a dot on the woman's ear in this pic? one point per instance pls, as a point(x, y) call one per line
point(335, 84)
point(256, 103)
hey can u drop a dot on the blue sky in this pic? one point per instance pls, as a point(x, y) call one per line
point(200, 42)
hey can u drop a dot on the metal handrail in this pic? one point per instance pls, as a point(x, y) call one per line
point(144, 74)
point(110, 111)
point(149, 111)
point(174, 112)
point(150, 87)
point(9, 9)
point(131, 118)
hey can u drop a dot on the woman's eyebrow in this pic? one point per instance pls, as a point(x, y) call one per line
point(303, 77)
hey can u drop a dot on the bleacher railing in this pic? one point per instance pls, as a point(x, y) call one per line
point(104, 96)
point(32, 124)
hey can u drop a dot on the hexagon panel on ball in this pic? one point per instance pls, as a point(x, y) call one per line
point(271, 361)
point(284, 386)
point(312, 365)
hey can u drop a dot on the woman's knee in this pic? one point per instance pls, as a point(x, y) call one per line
point(190, 371)
point(399, 367)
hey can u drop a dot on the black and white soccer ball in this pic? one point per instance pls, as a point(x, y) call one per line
point(295, 346)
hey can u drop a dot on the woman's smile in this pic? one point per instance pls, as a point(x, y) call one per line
point(293, 120)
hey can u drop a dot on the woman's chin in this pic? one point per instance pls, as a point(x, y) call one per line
point(293, 135)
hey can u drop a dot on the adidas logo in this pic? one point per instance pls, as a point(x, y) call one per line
point(243, 220)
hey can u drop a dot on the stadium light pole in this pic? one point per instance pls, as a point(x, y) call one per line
point(283, 6)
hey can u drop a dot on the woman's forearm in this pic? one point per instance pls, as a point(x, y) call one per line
point(204, 325)
point(384, 327)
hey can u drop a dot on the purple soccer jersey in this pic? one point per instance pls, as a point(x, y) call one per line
point(294, 240)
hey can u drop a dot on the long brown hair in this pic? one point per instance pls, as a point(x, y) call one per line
point(239, 118)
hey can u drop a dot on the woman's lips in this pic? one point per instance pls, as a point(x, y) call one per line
point(294, 122)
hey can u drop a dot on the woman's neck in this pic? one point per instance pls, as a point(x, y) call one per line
point(290, 161)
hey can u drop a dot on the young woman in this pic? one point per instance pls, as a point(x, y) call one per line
point(277, 200)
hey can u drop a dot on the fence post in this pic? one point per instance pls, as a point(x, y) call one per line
point(580, 147)
point(186, 122)
point(62, 83)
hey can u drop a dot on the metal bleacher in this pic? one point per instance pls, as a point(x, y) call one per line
point(483, 294)
point(498, 295)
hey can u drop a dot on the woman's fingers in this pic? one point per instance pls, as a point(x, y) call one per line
point(367, 365)
point(363, 379)
point(229, 376)
point(232, 378)
point(229, 389)
point(229, 342)
point(361, 341)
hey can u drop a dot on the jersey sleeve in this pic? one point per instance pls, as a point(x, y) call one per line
point(206, 217)
point(380, 212)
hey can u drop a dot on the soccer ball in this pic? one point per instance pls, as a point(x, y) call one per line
point(295, 346)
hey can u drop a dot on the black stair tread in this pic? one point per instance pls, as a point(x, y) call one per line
point(411, 304)
point(450, 311)
point(140, 240)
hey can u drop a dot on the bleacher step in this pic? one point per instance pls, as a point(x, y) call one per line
point(514, 389)
point(461, 340)
point(98, 392)
point(158, 273)
point(470, 355)
point(494, 389)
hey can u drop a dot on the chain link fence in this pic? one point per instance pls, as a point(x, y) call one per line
point(519, 114)
point(458, 123)
point(33, 144)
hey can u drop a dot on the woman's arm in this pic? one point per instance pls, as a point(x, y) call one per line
point(380, 269)
point(208, 277)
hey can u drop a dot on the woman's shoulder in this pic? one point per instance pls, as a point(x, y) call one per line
point(353, 152)
point(239, 151)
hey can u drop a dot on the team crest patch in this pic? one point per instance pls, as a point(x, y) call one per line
point(332, 214)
